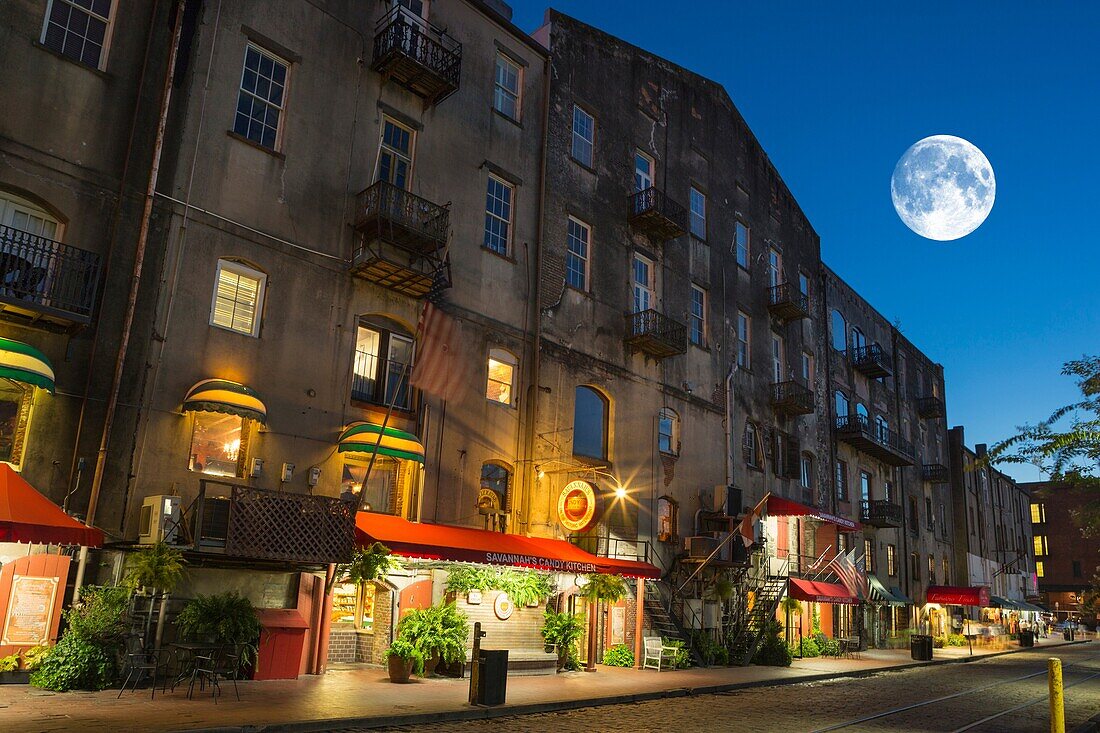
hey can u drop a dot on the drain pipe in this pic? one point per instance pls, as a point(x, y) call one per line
point(135, 283)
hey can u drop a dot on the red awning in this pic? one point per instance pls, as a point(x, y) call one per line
point(780, 507)
point(953, 595)
point(464, 544)
point(818, 592)
point(27, 516)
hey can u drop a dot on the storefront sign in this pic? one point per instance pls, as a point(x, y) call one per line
point(30, 611)
point(618, 624)
point(503, 607)
point(949, 595)
point(577, 506)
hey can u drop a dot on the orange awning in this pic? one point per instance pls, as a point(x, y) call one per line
point(463, 544)
point(817, 592)
point(27, 516)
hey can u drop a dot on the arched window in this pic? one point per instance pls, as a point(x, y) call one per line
point(500, 386)
point(383, 361)
point(862, 415)
point(668, 512)
point(668, 431)
point(492, 496)
point(840, 332)
point(841, 401)
point(589, 423)
point(18, 213)
point(807, 470)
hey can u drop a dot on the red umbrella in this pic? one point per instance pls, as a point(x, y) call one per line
point(27, 516)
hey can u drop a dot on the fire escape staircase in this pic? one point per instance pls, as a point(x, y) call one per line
point(747, 625)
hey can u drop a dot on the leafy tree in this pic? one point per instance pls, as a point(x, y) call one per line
point(1066, 445)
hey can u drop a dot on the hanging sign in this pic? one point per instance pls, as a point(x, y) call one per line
point(577, 506)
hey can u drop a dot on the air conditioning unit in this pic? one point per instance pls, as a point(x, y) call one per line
point(700, 546)
point(160, 520)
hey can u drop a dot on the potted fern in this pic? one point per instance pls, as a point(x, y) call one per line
point(401, 657)
point(790, 607)
point(225, 619)
point(468, 580)
point(597, 589)
point(367, 565)
point(438, 633)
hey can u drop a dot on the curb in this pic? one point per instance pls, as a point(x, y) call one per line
point(482, 713)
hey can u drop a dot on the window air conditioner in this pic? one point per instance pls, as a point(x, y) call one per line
point(160, 520)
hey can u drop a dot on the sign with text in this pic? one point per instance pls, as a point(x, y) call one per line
point(577, 506)
point(30, 609)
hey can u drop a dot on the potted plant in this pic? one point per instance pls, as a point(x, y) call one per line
point(367, 565)
point(401, 657)
point(10, 674)
point(225, 619)
point(600, 588)
point(790, 607)
point(157, 569)
point(439, 633)
point(468, 580)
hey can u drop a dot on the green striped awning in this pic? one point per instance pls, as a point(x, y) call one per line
point(879, 593)
point(24, 363)
point(221, 395)
point(362, 437)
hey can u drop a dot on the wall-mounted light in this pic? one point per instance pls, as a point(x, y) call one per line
point(620, 492)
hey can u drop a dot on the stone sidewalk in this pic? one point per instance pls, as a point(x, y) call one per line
point(363, 696)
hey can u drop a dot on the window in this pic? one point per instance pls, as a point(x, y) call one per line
point(946, 570)
point(842, 541)
point(914, 519)
point(16, 400)
point(861, 414)
point(506, 87)
point(804, 284)
point(743, 340)
point(869, 555)
point(840, 401)
point(576, 256)
point(840, 331)
point(741, 244)
point(492, 498)
point(775, 267)
point(777, 359)
point(382, 492)
point(750, 450)
point(19, 213)
point(238, 298)
point(891, 560)
point(78, 29)
point(643, 171)
point(395, 154)
point(219, 444)
point(1038, 514)
point(972, 524)
point(668, 432)
point(882, 429)
point(642, 276)
point(698, 330)
point(807, 471)
point(584, 135)
point(914, 566)
point(383, 361)
point(943, 518)
point(929, 517)
point(1040, 544)
point(498, 216)
point(698, 202)
point(858, 340)
point(667, 519)
point(888, 491)
point(864, 486)
point(589, 423)
point(262, 97)
point(931, 570)
point(841, 480)
point(1039, 568)
point(501, 382)
point(807, 367)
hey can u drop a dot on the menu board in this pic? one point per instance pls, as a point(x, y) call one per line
point(30, 611)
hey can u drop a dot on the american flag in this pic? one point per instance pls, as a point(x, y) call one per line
point(851, 573)
point(439, 368)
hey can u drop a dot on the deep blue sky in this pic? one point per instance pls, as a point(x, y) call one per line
point(836, 94)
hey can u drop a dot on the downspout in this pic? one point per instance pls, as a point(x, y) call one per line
point(135, 283)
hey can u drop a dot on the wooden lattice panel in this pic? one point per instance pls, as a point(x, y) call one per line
point(273, 525)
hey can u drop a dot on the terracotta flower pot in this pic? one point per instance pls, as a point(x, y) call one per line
point(399, 668)
point(430, 664)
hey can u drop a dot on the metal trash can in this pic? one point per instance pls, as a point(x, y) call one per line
point(920, 647)
point(1027, 638)
point(492, 679)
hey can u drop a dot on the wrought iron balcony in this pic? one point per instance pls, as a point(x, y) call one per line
point(45, 283)
point(403, 238)
point(788, 303)
point(878, 442)
point(935, 473)
point(655, 214)
point(259, 524)
point(930, 408)
point(792, 398)
point(879, 513)
point(655, 334)
point(417, 55)
point(871, 361)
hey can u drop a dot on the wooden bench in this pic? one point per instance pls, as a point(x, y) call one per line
point(657, 654)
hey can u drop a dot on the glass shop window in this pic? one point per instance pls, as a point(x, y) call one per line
point(219, 444)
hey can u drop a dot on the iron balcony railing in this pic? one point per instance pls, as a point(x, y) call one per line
point(871, 360)
point(44, 275)
point(365, 380)
point(656, 214)
point(788, 302)
point(604, 545)
point(417, 55)
point(935, 473)
point(792, 398)
point(880, 513)
point(930, 408)
point(402, 218)
point(875, 440)
point(655, 333)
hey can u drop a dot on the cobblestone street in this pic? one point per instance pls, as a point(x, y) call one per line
point(982, 689)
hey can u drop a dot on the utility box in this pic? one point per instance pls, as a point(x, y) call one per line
point(492, 679)
point(282, 643)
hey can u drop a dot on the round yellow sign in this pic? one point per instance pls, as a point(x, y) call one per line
point(576, 506)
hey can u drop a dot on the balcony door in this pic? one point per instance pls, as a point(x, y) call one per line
point(643, 171)
point(777, 358)
point(644, 296)
point(20, 214)
point(775, 268)
point(395, 154)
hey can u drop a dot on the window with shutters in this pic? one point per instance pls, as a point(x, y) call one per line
point(750, 450)
point(79, 30)
point(891, 560)
point(841, 480)
point(238, 298)
point(787, 461)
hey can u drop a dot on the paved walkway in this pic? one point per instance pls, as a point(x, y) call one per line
point(363, 696)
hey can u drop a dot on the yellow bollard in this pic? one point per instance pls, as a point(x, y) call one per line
point(1057, 699)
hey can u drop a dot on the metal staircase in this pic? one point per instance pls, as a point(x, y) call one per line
point(747, 624)
point(660, 614)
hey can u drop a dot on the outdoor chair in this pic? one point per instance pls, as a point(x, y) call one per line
point(141, 664)
point(227, 666)
point(657, 654)
point(205, 671)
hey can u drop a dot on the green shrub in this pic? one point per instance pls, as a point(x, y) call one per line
point(158, 567)
point(367, 564)
point(956, 640)
point(32, 658)
point(405, 650)
point(563, 630)
point(524, 587)
point(85, 657)
point(810, 648)
point(437, 630)
point(829, 647)
point(224, 618)
point(9, 663)
point(713, 653)
point(773, 651)
point(681, 658)
point(619, 655)
point(939, 642)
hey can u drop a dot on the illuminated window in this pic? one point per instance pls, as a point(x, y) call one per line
point(946, 569)
point(506, 87)
point(891, 560)
point(502, 373)
point(869, 556)
point(667, 519)
point(219, 444)
point(78, 29)
point(15, 410)
point(492, 499)
point(668, 432)
point(238, 298)
point(1039, 568)
point(383, 361)
point(381, 490)
point(261, 98)
point(1040, 543)
point(1038, 514)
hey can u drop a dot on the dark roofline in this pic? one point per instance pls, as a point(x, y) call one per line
point(509, 26)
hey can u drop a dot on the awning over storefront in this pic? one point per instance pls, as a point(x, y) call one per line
point(24, 363)
point(27, 516)
point(1003, 603)
point(818, 592)
point(362, 437)
point(779, 507)
point(231, 398)
point(463, 544)
point(880, 594)
point(1030, 607)
point(952, 595)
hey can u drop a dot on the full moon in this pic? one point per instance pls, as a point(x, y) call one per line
point(943, 187)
